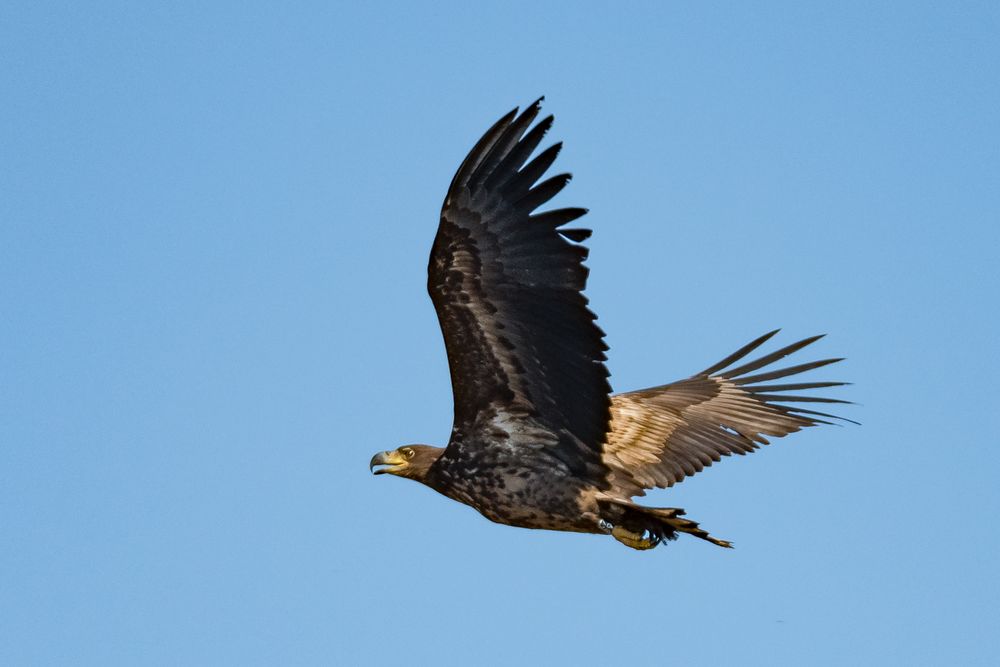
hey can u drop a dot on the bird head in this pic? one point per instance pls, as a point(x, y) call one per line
point(410, 461)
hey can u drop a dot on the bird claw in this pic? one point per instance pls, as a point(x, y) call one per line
point(633, 540)
point(606, 526)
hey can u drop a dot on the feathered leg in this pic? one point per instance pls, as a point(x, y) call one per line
point(645, 527)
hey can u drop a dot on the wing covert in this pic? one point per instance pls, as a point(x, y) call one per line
point(663, 434)
point(523, 348)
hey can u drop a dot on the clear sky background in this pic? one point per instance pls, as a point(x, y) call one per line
point(214, 229)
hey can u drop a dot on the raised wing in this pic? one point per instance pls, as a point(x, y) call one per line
point(661, 435)
point(525, 354)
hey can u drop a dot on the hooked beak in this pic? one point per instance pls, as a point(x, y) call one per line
point(392, 460)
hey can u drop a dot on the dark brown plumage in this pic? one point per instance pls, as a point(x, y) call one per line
point(538, 440)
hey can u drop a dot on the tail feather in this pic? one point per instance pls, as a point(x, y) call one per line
point(660, 524)
point(668, 523)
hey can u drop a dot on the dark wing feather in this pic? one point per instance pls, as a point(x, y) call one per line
point(526, 357)
point(661, 435)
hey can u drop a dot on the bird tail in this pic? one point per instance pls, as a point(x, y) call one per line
point(652, 525)
point(667, 522)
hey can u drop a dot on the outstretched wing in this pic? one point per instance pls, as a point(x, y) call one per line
point(661, 435)
point(525, 354)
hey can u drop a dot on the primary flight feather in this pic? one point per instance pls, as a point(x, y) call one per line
point(538, 439)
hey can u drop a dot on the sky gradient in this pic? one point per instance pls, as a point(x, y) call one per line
point(214, 229)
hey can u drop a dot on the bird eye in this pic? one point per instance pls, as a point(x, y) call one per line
point(409, 453)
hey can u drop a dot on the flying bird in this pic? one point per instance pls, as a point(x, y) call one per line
point(538, 439)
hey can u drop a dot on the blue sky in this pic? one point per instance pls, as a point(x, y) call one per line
point(214, 227)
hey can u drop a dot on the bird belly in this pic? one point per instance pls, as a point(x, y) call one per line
point(527, 499)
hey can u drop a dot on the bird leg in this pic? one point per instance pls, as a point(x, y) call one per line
point(634, 540)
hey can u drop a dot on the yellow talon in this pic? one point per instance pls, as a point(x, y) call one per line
point(634, 540)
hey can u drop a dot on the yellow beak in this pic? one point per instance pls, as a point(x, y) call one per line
point(393, 460)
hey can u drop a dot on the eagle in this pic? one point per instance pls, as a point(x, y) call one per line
point(538, 438)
